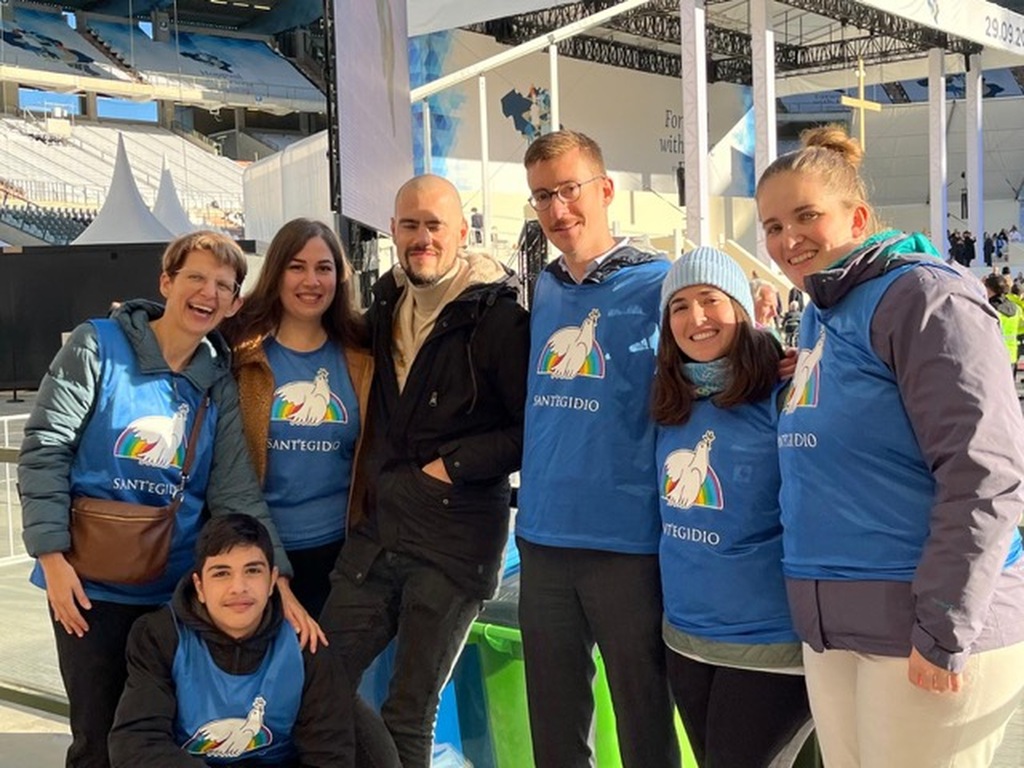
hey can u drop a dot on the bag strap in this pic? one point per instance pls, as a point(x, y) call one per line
point(190, 450)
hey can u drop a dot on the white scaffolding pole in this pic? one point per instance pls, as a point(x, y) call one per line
point(556, 121)
point(938, 204)
point(762, 39)
point(975, 149)
point(485, 152)
point(695, 120)
point(428, 151)
point(530, 46)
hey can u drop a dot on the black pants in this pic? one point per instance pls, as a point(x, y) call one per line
point(570, 599)
point(311, 580)
point(374, 746)
point(94, 671)
point(736, 718)
point(405, 598)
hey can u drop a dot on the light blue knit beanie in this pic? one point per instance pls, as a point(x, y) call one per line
point(708, 266)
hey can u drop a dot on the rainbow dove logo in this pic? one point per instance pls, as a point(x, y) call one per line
point(688, 479)
point(155, 441)
point(803, 392)
point(308, 403)
point(232, 736)
point(573, 351)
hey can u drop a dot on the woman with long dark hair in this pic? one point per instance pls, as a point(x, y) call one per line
point(734, 660)
point(304, 379)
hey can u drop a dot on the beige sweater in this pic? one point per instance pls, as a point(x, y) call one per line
point(421, 305)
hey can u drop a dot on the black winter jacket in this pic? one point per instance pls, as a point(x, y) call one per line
point(143, 732)
point(463, 401)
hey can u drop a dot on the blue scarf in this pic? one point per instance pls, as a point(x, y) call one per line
point(709, 378)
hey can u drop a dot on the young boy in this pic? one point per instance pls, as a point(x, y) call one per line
point(217, 676)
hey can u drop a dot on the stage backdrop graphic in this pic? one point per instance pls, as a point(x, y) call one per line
point(636, 117)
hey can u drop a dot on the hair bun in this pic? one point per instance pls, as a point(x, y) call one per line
point(835, 139)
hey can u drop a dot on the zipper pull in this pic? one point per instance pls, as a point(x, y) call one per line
point(433, 399)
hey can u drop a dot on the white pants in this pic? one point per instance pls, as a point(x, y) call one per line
point(867, 714)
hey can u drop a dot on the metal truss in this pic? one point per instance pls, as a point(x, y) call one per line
point(658, 22)
point(622, 55)
point(881, 23)
point(872, 48)
point(735, 68)
point(730, 71)
point(892, 38)
point(331, 75)
point(655, 62)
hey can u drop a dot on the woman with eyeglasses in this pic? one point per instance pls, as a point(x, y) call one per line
point(304, 380)
point(114, 419)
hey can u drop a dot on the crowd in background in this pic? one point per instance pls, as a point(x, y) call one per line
point(963, 246)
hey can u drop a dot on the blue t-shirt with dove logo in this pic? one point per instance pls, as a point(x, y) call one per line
point(314, 425)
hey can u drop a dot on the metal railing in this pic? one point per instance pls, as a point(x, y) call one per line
point(271, 94)
point(29, 677)
point(191, 134)
point(11, 547)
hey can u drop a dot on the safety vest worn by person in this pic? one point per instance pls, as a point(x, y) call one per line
point(1010, 325)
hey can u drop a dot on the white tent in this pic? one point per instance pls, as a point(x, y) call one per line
point(168, 209)
point(124, 217)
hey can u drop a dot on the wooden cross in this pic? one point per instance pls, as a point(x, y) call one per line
point(860, 103)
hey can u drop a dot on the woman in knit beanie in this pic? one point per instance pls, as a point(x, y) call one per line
point(734, 663)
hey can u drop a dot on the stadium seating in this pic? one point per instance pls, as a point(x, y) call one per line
point(77, 171)
point(238, 70)
point(37, 39)
point(54, 226)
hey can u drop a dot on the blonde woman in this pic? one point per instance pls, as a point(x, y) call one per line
point(901, 448)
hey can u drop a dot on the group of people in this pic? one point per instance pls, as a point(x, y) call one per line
point(963, 248)
point(996, 245)
point(750, 540)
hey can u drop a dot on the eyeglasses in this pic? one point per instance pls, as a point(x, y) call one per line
point(567, 192)
point(197, 280)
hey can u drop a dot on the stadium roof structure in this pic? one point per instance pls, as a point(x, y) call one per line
point(271, 16)
point(811, 35)
point(255, 16)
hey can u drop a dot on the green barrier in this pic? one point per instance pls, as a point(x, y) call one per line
point(504, 678)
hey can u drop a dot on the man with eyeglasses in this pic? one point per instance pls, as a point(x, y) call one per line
point(588, 524)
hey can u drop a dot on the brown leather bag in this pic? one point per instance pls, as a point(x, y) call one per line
point(124, 543)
